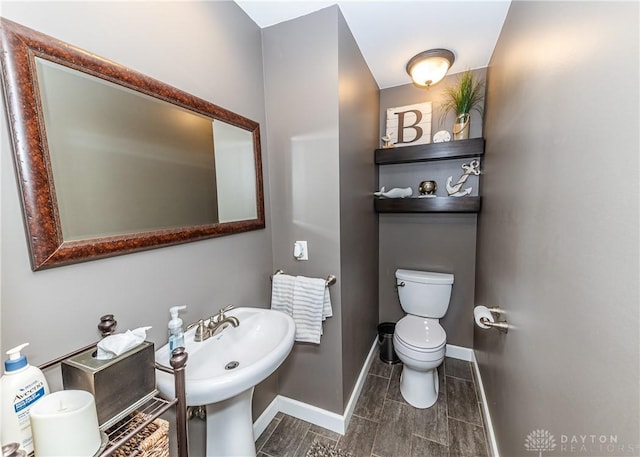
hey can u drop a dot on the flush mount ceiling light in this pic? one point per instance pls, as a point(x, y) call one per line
point(430, 66)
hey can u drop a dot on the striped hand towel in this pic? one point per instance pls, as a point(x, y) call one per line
point(327, 311)
point(311, 305)
point(282, 293)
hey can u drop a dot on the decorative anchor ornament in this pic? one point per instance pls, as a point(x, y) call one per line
point(471, 168)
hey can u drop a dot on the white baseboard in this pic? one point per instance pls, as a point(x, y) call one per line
point(318, 416)
point(357, 389)
point(262, 422)
point(491, 436)
point(459, 352)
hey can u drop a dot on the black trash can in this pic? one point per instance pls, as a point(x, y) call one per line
point(385, 342)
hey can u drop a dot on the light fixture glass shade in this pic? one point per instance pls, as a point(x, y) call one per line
point(429, 67)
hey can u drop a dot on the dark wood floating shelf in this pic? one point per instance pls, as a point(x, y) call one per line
point(428, 205)
point(433, 151)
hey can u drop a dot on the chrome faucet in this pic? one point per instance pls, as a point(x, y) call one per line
point(216, 324)
point(219, 322)
point(202, 332)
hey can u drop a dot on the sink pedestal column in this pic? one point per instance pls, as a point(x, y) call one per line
point(230, 427)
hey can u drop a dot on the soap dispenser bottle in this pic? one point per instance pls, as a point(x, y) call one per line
point(22, 386)
point(176, 334)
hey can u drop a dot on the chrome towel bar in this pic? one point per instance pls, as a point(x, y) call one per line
point(331, 279)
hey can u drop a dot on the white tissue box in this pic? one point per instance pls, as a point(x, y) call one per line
point(119, 385)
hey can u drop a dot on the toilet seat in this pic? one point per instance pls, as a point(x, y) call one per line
point(420, 334)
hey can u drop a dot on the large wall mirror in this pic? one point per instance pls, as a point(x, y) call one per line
point(110, 161)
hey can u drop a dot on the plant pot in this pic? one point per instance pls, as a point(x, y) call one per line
point(461, 127)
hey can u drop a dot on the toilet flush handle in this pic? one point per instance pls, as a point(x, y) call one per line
point(400, 285)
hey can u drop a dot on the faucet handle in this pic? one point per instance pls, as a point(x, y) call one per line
point(226, 308)
point(200, 331)
point(193, 324)
point(220, 314)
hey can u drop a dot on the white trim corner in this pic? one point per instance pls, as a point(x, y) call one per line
point(262, 422)
point(318, 416)
point(459, 352)
point(357, 389)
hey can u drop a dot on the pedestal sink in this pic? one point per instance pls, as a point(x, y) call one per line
point(223, 370)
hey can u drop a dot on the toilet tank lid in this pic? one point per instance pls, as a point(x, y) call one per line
point(426, 277)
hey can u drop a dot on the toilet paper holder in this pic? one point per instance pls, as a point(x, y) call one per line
point(502, 326)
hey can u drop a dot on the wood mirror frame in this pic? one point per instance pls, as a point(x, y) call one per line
point(19, 47)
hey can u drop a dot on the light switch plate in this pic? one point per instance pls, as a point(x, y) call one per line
point(300, 251)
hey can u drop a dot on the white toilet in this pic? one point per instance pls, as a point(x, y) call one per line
point(419, 340)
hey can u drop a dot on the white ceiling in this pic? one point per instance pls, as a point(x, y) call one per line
point(389, 33)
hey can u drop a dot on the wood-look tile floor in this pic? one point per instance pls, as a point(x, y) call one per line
point(385, 425)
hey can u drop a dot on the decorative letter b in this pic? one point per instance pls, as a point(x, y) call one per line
point(413, 126)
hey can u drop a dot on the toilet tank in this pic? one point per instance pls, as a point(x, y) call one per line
point(424, 293)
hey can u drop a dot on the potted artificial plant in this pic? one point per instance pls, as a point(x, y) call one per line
point(466, 96)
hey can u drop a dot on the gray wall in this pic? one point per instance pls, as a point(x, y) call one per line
point(322, 128)
point(358, 124)
point(558, 234)
point(302, 109)
point(432, 242)
point(183, 44)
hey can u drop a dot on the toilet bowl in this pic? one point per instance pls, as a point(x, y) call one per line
point(420, 344)
point(419, 339)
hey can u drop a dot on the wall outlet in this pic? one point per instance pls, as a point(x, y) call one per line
point(300, 251)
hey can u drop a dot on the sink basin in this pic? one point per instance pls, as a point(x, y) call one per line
point(258, 345)
point(222, 371)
